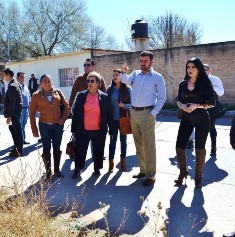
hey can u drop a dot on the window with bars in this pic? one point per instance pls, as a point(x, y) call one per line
point(68, 76)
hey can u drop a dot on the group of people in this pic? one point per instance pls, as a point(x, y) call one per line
point(96, 111)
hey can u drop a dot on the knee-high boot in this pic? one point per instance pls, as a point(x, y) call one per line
point(200, 162)
point(123, 164)
point(46, 157)
point(111, 165)
point(57, 157)
point(181, 155)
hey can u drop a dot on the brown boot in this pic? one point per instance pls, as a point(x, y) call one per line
point(111, 165)
point(123, 164)
point(200, 162)
point(181, 155)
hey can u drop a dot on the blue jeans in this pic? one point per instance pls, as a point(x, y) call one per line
point(23, 120)
point(113, 141)
point(51, 133)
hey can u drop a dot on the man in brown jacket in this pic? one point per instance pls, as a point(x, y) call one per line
point(80, 83)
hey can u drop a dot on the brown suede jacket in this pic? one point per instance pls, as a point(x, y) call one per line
point(49, 112)
point(80, 84)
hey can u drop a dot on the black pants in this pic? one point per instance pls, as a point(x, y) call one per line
point(82, 141)
point(16, 132)
point(198, 119)
point(213, 132)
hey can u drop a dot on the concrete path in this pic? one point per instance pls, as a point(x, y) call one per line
point(211, 208)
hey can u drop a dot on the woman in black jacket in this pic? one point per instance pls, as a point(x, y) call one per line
point(92, 115)
point(120, 96)
point(195, 96)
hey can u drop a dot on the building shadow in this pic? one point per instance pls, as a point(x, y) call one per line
point(187, 221)
point(117, 190)
point(212, 173)
point(26, 151)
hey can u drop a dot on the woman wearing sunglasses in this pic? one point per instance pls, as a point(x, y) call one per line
point(92, 115)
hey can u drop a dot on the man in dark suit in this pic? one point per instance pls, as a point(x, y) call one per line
point(33, 84)
point(13, 104)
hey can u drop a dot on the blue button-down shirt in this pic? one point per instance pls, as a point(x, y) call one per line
point(147, 89)
point(25, 95)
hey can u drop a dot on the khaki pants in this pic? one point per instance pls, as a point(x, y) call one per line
point(143, 128)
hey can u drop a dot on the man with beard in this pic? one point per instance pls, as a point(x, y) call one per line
point(147, 98)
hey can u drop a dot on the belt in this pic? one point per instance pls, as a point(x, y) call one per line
point(142, 108)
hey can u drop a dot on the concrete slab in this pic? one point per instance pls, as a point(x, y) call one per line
point(211, 208)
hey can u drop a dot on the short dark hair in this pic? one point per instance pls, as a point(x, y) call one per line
point(96, 75)
point(91, 60)
point(147, 53)
point(8, 71)
point(117, 70)
point(45, 75)
point(19, 73)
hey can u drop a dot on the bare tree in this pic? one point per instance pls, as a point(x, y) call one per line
point(10, 37)
point(52, 25)
point(171, 30)
point(98, 39)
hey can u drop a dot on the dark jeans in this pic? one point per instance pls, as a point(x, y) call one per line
point(16, 132)
point(51, 133)
point(198, 119)
point(113, 141)
point(213, 132)
point(82, 141)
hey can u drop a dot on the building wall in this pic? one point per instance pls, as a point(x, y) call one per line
point(51, 65)
point(171, 64)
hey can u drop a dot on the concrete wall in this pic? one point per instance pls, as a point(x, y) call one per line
point(171, 64)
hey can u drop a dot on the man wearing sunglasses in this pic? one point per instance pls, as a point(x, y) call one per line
point(80, 83)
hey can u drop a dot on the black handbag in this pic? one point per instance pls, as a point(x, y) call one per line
point(217, 111)
point(71, 147)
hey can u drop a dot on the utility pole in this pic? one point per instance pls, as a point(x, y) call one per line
point(8, 48)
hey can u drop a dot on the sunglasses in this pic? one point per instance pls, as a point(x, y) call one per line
point(90, 81)
point(87, 65)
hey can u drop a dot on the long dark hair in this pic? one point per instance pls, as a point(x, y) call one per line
point(203, 79)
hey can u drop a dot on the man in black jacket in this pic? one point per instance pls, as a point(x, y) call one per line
point(33, 84)
point(12, 110)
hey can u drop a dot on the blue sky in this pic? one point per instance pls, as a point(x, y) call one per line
point(215, 17)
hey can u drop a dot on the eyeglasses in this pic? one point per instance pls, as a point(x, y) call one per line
point(87, 65)
point(90, 81)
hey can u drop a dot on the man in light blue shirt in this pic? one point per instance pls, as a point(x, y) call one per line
point(26, 100)
point(147, 98)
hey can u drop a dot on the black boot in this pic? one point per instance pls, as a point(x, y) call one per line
point(57, 157)
point(181, 155)
point(46, 157)
point(213, 150)
point(200, 162)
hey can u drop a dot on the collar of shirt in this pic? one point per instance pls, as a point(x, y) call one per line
point(149, 72)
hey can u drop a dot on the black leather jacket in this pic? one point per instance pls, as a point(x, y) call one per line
point(13, 102)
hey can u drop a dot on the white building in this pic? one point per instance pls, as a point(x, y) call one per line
point(64, 68)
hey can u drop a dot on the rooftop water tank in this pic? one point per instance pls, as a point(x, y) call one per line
point(139, 29)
